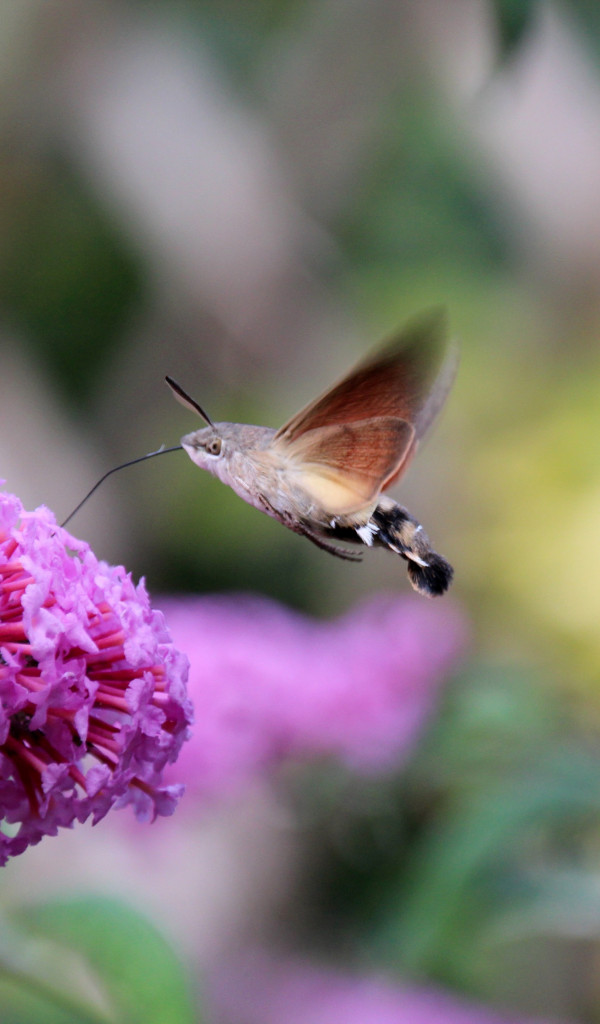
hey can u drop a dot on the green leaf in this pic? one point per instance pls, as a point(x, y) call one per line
point(134, 965)
point(43, 982)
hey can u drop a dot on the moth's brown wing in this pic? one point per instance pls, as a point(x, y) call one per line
point(343, 467)
point(429, 410)
point(397, 380)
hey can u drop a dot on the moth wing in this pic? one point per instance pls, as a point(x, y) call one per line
point(404, 378)
point(439, 390)
point(430, 409)
point(343, 467)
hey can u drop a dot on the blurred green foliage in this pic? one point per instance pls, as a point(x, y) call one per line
point(68, 279)
point(481, 848)
point(441, 206)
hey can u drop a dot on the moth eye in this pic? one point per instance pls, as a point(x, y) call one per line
point(214, 448)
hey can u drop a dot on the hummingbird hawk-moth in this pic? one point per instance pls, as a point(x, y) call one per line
point(324, 473)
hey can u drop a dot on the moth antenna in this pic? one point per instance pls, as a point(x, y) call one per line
point(160, 451)
point(184, 399)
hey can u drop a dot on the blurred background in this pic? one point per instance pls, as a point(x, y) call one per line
point(246, 196)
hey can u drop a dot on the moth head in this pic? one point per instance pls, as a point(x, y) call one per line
point(205, 447)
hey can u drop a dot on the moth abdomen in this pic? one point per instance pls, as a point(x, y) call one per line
point(394, 528)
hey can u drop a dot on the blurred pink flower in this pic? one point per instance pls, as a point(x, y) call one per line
point(92, 690)
point(268, 683)
point(258, 989)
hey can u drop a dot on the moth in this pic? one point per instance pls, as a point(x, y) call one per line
point(325, 472)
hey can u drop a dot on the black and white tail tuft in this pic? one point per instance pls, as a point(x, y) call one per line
point(395, 528)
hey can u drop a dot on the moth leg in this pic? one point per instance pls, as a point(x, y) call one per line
point(298, 527)
point(349, 556)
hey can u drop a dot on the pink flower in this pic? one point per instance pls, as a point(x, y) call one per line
point(261, 990)
point(269, 684)
point(92, 690)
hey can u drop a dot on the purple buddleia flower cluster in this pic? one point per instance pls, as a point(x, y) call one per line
point(93, 701)
point(269, 684)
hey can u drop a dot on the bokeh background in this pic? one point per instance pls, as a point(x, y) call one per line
point(245, 196)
